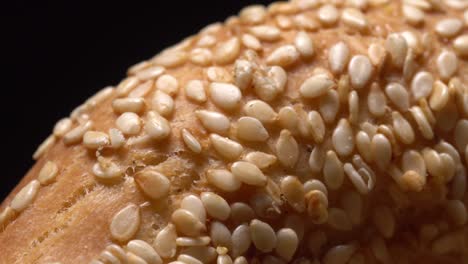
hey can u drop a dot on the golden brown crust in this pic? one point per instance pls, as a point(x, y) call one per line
point(69, 219)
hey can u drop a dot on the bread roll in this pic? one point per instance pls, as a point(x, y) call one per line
point(306, 132)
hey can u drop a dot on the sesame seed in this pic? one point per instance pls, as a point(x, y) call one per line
point(187, 223)
point(457, 211)
point(194, 205)
point(460, 44)
point(293, 191)
point(261, 111)
point(352, 204)
point(117, 251)
point(106, 170)
point(251, 129)
point(363, 144)
point(132, 258)
point(204, 254)
point(381, 150)
point(338, 219)
point(225, 96)
point(439, 97)
point(162, 103)
point(218, 74)
point(190, 141)
point(201, 56)
point(227, 148)
point(288, 118)
point(240, 240)
point(413, 15)
point(263, 236)
point(109, 257)
point(354, 18)
point(304, 45)
point(338, 57)
point(154, 184)
point(144, 250)
point(150, 73)
point(422, 4)
point(447, 64)
point(284, 22)
point(316, 86)
point(116, 138)
point(317, 206)
point(44, 146)
point(241, 213)
point(328, 14)
point(316, 159)
point(251, 42)
point(215, 205)
point(342, 138)
point(168, 84)
point(360, 71)
point(448, 27)
point(403, 129)
point(266, 33)
point(6, 216)
point(223, 180)
point(287, 149)
point(125, 223)
point(195, 91)
point(253, 15)
point(100, 97)
point(317, 126)
point(333, 174)
point(171, 58)
point(186, 259)
point(461, 135)
point(224, 259)
point(193, 241)
point(25, 196)
point(384, 220)
point(127, 85)
point(227, 52)
point(398, 95)
point(397, 47)
point(62, 127)
point(47, 173)
point(243, 74)
point(283, 56)
point(142, 89)
point(260, 159)
point(95, 139)
point(221, 237)
point(446, 243)
point(156, 126)
point(248, 173)
point(165, 241)
point(339, 254)
point(421, 120)
point(356, 178)
point(287, 243)
point(122, 105)
point(129, 123)
point(305, 22)
point(421, 85)
point(214, 121)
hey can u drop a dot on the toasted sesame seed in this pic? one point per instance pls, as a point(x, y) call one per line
point(154, 184)
point(44, 146)
point(304, 45)
point(165, 242)
point(317, 126)
point(293, 192)
point(338, 219)
point(144, 251)
point(398, 95)
point(287, 243)
point(252, 15)
point(214, 121)
point(316, 240)
point(170, 58)
point(421, 120)
point(129, 123)
point(435, 164)
point(251, 129)
point(227, 148)
point(251, 42)
point(225, 96)
point(195, 91)
point(194, 205)
point(283, 56)
point(62, 127)
point(125, 223)
point(263, 236)
point(223, 180)
point(227, 52)
point(6, 216)
point(447, 64)
point(384, 220)
point(448, 27)
point(328, 14)
point(248, 173)
point(266, 33)
point(186, 259)
point(316, 86)
point(156, 126)
point(127, 85)
point(339, 254)
point(25, 196)
point(107, 170)
point(187, 223)
point(360, 71)
point(445, 147)
point(162, 103)
point(317, 206)
point(168, 84)
point(342, 138)
point(333, 171)
point(95, 139)
point(456, 210)
point(47, 173)
point(354, 18)
point(241, 213)
point(287, 149)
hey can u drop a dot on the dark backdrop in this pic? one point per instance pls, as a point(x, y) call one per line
point(58, 54)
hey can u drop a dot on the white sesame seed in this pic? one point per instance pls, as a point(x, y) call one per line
point(25, 196)
point(338, 219)
point(439, 97)
point(287, 149)
point(215, 205)
point(252, 15)
point(251, 129)
point(397, 47)
point(108, 256)
point(316, 159)
point(44, 146)
point(338, 57)
point(227, 52)
point(305, 22)
point(221, 237)
point(240, 240)
point(339, 254)
point(333, 174)
point(243, 74)
point(190, 141)
point(284, 22)
point(62, 127)
point(266, 33)
point(144, 250)
point(227, 148)
point(129, 123)
point(329, 105)
point(195, 91)
point(381, 150)
point(251, 42)
point(363, 144)
point(100, 97)
point(95, 139)
point(156, 126)
point(263, 236)
point(304, 44)
point(165, 241)
point(260, 159)
point(193, 241)
point(150, 73)
point(76, 134)
point(448, 27)
point(201, 56)
point(154, 184)
point(460, 44)
point(316, 86)
point(214, 121)
point(170, 58)
point(447, 64)
point(162, 103)
point(421, 120)
point(224, 259)
point(342, 138)
point(194, 205)
point(328, 14)
point(288, 118)
point(457, 212)
point(398, 95)
point(421, 85)
point(168, 84)
point(248, 173)
point(317, 206)
point(223, 180)
point(354, 18)
point(413, 15)
point(261, 111)
point(125, 223)
point(353, 105)
point(360, 71)
point(293, 192)
point(122, 105)
point(218, 74)
point(48, 173)
point(204, 254)
point(126, 86)
point(278, 76)
point(116, 138)
point(403, 128)
point(142, 89)
point(186, 259)
point(106, 170)
point(283, 56)
point(225, 96)
point(187, 223)
point(287, 243)
point(317, 126)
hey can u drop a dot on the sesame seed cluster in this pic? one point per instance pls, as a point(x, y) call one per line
point(307, 132)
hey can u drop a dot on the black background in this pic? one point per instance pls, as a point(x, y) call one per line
point(58, 54)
